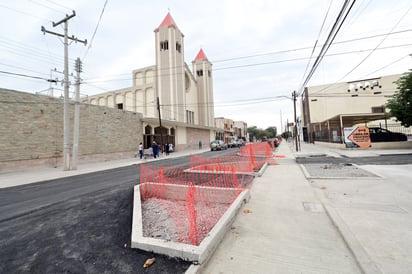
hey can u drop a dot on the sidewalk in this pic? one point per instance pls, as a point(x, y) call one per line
point(315, 149)
point(15, 178)
point(372, 214)
point(288, 230)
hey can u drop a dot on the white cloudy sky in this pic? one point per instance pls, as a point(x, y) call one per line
point(259, 49)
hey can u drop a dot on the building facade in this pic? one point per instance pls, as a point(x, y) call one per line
point(241, 130)
point(327, 109)
point(183, 96)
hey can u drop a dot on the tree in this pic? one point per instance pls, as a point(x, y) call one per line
point(401, 104)
point(271, 132)
point(259, 133)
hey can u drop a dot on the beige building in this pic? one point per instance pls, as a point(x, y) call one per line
point(185, 96)
point(226, 127)
point(327, 109)
point(241, 130)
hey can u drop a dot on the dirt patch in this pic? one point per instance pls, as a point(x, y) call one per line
point(336, 171)
point(168, 219)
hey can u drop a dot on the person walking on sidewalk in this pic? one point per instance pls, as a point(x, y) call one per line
point(166, 149)
point(155, 149)
point(141, 150)
point(200, 144)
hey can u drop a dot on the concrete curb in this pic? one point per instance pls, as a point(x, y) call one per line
point(308, 176)
point(359, 253)
point(198, 254)
point(262, 170)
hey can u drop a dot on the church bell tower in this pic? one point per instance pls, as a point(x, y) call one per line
point(170, 67)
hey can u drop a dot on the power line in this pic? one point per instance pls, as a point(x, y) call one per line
point(56, 57)
point(60, 5)
point(46, 6)
point(25, 13)
point(316, 42)
point(280, 51)
point(88, 81)
point(95, 30)
point(24, 75)
point(329, 40)
point(377, 46)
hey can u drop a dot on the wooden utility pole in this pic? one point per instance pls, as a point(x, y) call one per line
point(295, 131)
point(160, 122)
point(66, 126)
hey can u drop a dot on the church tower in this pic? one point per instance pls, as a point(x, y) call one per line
point(202, 70)
point(170, 69)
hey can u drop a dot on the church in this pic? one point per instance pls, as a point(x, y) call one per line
point(176, 102)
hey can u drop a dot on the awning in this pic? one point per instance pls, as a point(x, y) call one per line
point(349, 120)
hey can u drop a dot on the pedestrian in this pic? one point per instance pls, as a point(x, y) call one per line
point(167, 149)
point(200, 144)
point(141, 150)
point(155, 149)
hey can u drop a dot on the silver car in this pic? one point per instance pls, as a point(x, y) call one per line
point(218, 145)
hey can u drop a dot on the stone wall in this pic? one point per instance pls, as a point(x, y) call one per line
point(195, 135)
point(31, 128)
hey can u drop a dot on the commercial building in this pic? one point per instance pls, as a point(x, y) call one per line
point(227, 129)
point(327, 109)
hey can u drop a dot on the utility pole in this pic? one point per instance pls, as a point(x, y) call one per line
point(281, 123)
point(160, 122)
point(295, 131)
point(76, 125)
point(66, 126)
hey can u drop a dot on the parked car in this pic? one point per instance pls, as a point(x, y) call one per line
point(233, 143)
point(218, 145)
point(378, 134)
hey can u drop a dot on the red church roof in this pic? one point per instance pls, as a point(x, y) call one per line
point(168, 21)
point(200, 56)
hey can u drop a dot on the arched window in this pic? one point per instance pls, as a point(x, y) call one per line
point(164, 45)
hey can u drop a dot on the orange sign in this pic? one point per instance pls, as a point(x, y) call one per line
point(360, 136)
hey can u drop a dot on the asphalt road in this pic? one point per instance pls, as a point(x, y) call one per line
point(78, 224)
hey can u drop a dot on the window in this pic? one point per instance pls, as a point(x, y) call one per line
point(187, 82)
point(199, 72)
point(164, 45)
point(178, 47)
point(378, 109)
point(120, 106)
point(190, 117)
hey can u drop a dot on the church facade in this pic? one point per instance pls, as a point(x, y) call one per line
point(176, 102)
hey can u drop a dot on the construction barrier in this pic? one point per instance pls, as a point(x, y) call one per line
point(203, 196)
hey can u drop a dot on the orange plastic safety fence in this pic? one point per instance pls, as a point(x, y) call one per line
point(201, 207)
